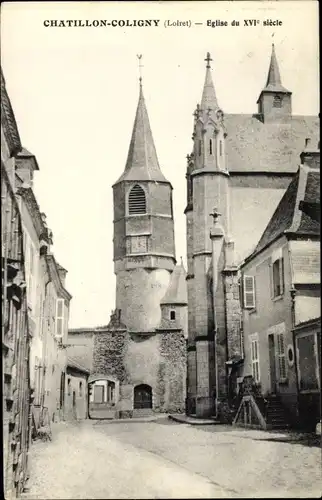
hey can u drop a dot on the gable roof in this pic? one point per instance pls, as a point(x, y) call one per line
point(288, 217)
point(254, 146)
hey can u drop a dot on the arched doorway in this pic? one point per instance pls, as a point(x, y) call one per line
point(142, 397)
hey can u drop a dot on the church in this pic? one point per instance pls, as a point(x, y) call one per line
point(237, 173)
point(138, 363)
point(174, 335)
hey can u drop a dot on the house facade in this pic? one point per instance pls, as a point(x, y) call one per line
point(15, 325)
point(281, 302)
point(241, 166)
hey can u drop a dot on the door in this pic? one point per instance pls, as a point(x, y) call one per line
point(74, 405)
point(272, 362)
point(142, 396)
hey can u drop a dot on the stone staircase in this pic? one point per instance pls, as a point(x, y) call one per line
point(276, 417)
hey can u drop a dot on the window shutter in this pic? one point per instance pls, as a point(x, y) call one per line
point(59, 317)
point(271, 281)
point(137, 200)
point(281, 356)
point(249, 292)
point(281, 276)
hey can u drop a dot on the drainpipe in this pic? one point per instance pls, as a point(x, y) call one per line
point(293, 295)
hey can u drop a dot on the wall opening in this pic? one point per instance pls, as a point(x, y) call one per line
point(137, 201)
point(172, 315)
point(142, 396)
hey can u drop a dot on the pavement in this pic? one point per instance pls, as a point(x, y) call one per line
point(164, 459)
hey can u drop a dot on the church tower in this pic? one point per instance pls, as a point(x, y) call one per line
point(208, 188)
point(275, 101)
point(144, 250)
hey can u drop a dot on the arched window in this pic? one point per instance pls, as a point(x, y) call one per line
point(210, 146)
point(277, 103)
point(137, 200)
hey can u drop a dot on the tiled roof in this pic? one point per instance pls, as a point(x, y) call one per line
point(288, 217)
point(177, 290)
point(77, 363)
point(142, 162)
point(254, 146)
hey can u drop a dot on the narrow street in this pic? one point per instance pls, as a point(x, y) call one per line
point(164, 459)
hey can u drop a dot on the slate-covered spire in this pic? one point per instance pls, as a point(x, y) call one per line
point(209, 99)
point(142, 162)
point(177, 290)
point(274, 82)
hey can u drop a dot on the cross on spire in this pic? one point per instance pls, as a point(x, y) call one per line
point(215, 214)
point(208, 59)
point(139, 56)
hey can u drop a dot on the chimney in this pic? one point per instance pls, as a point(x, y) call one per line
point(310, 156)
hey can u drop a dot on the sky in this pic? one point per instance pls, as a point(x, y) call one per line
point(74, 92)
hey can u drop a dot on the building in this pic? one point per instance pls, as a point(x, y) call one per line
point(139, 359)
point(237, 162)
point(48, 300)
point(281, 301)
point(76, 394)
point(15, 325)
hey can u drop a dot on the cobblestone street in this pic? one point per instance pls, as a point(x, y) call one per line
point(164, 459)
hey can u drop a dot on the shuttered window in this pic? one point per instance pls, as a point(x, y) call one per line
point(278, 277)
point(137, 200)
point(249, 292)
point(255, 358)
point(281, 357)
point(277, 103)
point(59, 317)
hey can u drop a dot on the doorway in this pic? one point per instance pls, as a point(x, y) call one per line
point(142, 396)
point(272, 362)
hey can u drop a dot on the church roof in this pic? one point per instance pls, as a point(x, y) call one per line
point(177, 289)
point(278, 146)
point(288, 216)
point(209, 98)
point(142, 162)
point(274, 82)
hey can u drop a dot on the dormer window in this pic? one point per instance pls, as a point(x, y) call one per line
point(137, 201)
point(277, 103)
point(172, 315)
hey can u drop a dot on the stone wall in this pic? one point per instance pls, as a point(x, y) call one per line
point(158, 360)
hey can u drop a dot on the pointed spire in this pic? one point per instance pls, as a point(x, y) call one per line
point(177, 289)
point(209, 99)
point(274, 81)
point(142, 162)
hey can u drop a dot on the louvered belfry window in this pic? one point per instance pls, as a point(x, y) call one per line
point(137, 200)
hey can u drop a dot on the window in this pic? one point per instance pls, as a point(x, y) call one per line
point(60, 317)
point(68, 387)
point(137, 201)
point(308, 362)
point(278, 277)
point(277, 103)
point(249, 292)
point(220, 148)
point(199, 147)
point(210, 146)
point(172, 315)
point(81, 389)
point(255, 358)
point(281, 357)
